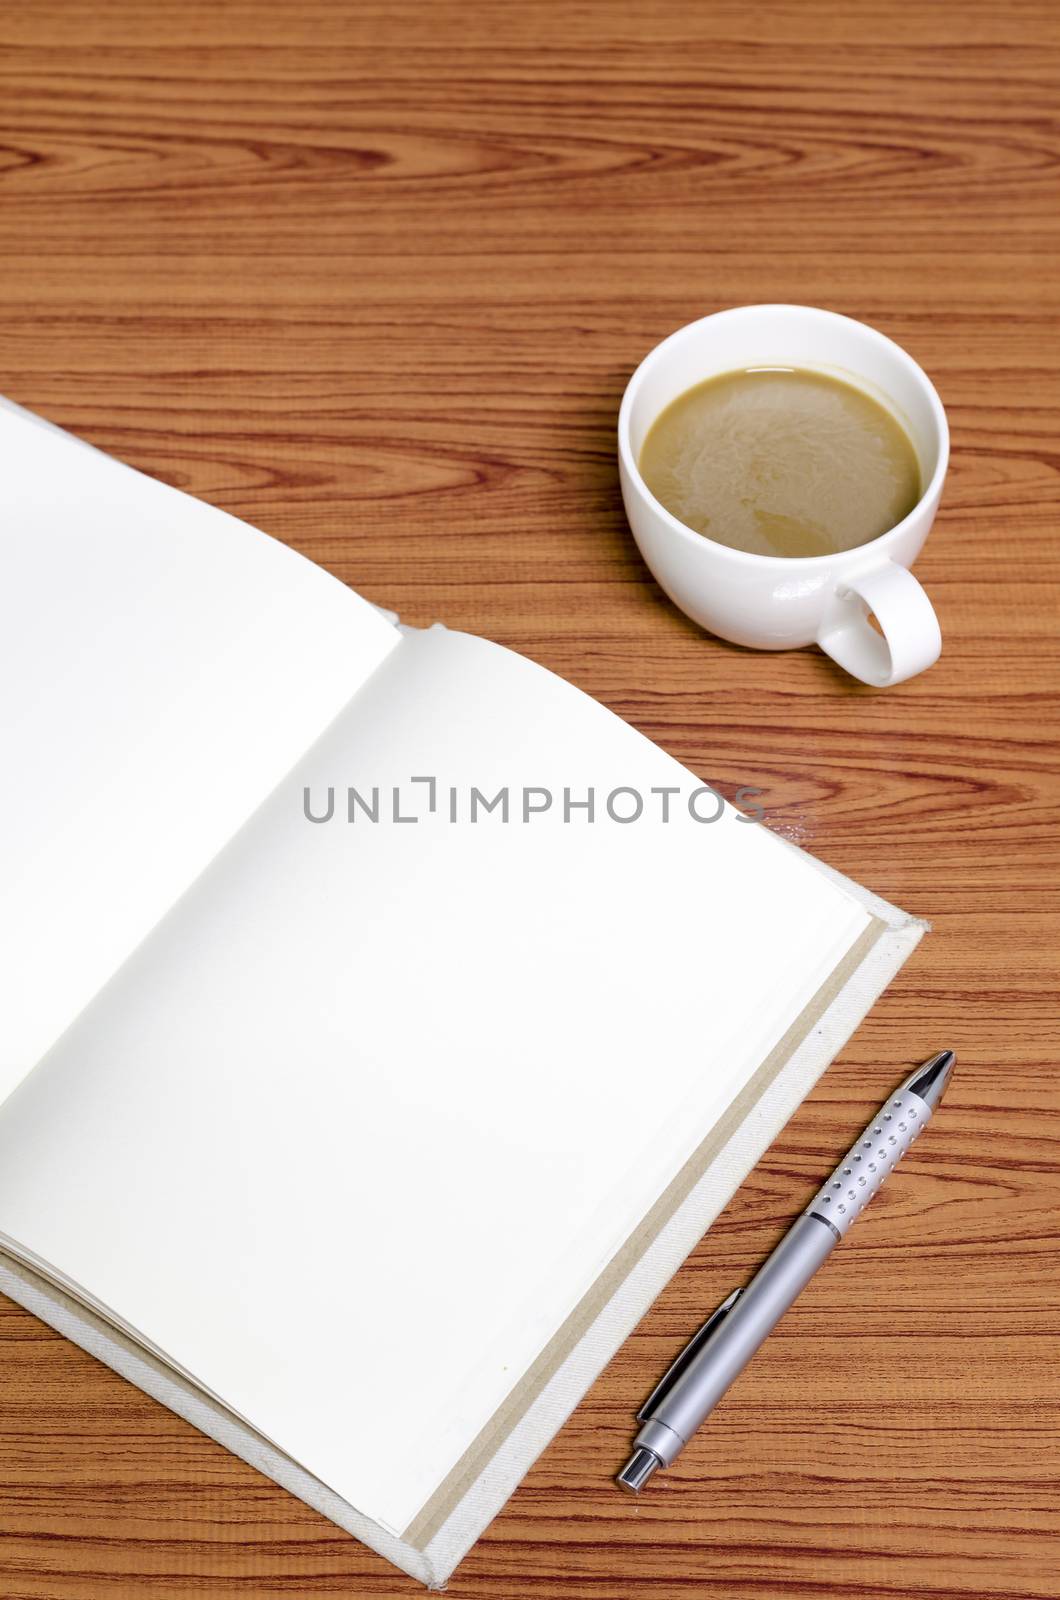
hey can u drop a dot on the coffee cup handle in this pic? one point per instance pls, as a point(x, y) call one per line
point(909, 639)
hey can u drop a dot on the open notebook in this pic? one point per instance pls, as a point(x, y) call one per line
point(361, 1143)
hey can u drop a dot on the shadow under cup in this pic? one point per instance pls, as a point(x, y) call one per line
point(774, 602)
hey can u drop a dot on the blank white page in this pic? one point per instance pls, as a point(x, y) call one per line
point(358, 1126)
point(161, 666)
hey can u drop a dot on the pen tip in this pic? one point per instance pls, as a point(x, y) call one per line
point(929, 1080)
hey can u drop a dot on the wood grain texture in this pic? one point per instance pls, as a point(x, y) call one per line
point(373, 276)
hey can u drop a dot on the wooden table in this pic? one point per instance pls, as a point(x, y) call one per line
point(373, 276)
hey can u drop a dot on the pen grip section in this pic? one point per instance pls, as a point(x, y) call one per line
point(845, 1194)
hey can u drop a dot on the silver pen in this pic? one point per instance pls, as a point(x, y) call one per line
point(718, 1353)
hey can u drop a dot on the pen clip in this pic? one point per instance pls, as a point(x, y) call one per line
point(687, 1356)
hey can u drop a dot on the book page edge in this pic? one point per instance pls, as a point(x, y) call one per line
point(447, 1537)
point(99, 1339)
point(472, 1496)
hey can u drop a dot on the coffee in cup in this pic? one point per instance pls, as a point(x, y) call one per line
point(833, 576)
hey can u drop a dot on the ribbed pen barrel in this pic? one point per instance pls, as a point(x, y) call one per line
point(845, 1194)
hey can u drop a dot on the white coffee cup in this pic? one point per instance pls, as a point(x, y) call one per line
point(777, 602)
